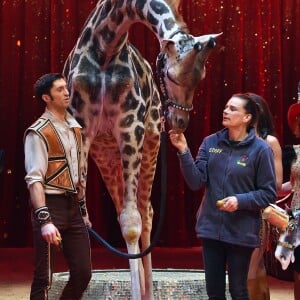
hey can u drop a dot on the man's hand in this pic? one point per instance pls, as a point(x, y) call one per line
point(87, 221)
point(51, 234)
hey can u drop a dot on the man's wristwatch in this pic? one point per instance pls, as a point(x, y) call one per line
point(82, 207)
point(42, 215)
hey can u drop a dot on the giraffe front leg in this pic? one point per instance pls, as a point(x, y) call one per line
point(131, 224)
point(148, 167)
point(147, 260)
point(131, 227)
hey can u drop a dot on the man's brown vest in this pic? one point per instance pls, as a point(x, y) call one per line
point(58, 174)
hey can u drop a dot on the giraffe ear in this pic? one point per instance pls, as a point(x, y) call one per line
point(208, 39)
point(165, 45)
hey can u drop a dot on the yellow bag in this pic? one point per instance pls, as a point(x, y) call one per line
point(276, 216)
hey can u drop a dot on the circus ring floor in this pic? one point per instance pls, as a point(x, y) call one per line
point(16, 269)
point(115, 284)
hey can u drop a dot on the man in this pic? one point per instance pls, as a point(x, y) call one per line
point(56, 185)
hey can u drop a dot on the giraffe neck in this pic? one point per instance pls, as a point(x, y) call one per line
point(110, 21)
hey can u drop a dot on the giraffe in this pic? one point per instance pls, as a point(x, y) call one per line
point(116, 100)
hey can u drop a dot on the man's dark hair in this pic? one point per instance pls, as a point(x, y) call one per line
point(45, 83)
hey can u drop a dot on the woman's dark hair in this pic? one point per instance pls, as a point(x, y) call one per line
point(265, 125)
point(251, 108)
point(288, 155)
point(45, 83)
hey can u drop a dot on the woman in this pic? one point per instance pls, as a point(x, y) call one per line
point(237, 168)
point(257, 276)
point(294, 185)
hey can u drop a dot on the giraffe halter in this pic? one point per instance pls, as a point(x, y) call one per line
point(160, 64)
point(293, 224)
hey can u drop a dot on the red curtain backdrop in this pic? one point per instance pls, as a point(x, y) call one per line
point(259, 51)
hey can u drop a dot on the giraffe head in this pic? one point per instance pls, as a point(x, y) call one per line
point(181, 65)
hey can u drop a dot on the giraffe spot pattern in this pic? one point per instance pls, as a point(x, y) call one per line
point(129, 150)
point(117, 79)
point(136, 164)
point(75, 61)
point(159, 7)
point(117, 17)
point(85, 38)
point(139, 133)
point(139, 9)
point(125, 137)
point(107, 34)
point(141, 113)
point(122, 40)
point(124, 56)
point(169, 23)
point(129, 11)
point(137, 59)
point(127, 121)
point(151, 19)
point(125, 164)
point(130, 103)
point(106, 9)
point(154, 114)
point(77, 102)
point(145, 91)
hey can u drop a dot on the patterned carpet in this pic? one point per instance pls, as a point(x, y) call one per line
point(16, 268)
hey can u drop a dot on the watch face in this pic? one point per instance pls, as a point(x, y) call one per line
point(43, 215)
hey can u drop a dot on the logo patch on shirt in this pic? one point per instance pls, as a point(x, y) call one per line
point(215, 150)
point(243, 160)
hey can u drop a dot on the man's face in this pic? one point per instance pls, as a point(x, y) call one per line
point(59, 95)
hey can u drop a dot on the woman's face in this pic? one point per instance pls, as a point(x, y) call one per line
point(234, 113)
